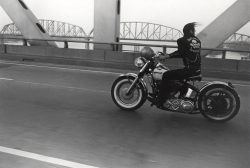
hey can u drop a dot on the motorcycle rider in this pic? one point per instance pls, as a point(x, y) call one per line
point(189, 50)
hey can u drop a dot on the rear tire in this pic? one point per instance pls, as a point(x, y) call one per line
point(219, 103)
point(129, 102)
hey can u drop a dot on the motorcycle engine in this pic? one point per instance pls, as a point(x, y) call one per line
point(187, 106)
point(178, 105)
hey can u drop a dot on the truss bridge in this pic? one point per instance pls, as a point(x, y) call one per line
point(142, 31)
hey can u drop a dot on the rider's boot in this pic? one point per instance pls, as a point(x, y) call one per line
point(161, 98)
point(158, 100)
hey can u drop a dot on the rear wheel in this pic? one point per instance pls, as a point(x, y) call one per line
point(219, 103)
point(129, 102)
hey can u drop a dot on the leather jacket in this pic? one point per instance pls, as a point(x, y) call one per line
point(189, 48)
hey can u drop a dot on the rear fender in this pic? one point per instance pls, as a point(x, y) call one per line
point(214, 83)
point(225, 85)
point(229, 85)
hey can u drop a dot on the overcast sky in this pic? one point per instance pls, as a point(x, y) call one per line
point(172, 13)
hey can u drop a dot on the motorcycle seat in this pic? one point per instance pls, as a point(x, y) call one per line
point(194, 78)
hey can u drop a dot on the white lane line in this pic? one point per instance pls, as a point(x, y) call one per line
point(72, 69)
point(241, 85)
point(6, 79)
point(68, 87)
point(45, 84)
point(43, 158)
point(235, 84)
point(92, 89)
point(83, 70)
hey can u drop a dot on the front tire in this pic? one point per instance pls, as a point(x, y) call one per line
point(219, 103)
point(129, 102)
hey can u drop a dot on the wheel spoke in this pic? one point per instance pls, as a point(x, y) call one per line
point(217, 103)
point(130, 99)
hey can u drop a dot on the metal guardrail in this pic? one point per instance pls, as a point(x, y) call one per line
point(117, 44)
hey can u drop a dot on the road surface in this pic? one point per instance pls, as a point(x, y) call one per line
point(63, 116)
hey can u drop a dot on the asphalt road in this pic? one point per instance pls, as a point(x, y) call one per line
point(53, 116)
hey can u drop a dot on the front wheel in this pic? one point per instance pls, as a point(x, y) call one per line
point(129, 102)
point(219, 103)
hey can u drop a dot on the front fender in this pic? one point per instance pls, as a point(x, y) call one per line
point(129, 74)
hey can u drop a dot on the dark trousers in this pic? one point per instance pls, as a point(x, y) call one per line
point(177, 74)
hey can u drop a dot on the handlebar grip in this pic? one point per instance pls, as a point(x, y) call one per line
point(162, 53)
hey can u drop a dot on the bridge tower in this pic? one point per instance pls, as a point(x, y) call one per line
point(225, 25)
point(106, 23)
point(26, 22)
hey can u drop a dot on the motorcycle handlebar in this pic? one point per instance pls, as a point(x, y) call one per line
point(158, 54)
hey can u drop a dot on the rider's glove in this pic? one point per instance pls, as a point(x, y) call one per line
point(163, 57)
point(159, 53)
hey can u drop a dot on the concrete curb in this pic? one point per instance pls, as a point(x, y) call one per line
point(218, 68)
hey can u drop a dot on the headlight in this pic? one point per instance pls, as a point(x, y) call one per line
point(140, 62)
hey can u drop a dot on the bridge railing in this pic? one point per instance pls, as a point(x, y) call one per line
point(117, 46)
point(139, 31)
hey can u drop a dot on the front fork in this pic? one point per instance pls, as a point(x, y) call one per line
point(139, 76)
point(135, 82)
point(132, 86)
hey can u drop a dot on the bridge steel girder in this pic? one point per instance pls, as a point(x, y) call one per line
point(237, 38)
point(235, 17)
point(141, 31)
point(148, 31)
point(53, 28)
point(57, 28)
point(26, 22)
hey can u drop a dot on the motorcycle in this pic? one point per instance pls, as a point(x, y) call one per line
point(217, 101)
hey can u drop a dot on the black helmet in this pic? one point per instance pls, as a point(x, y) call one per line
point(147, 53)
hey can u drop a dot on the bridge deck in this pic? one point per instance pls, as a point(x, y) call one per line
point(67, 113)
